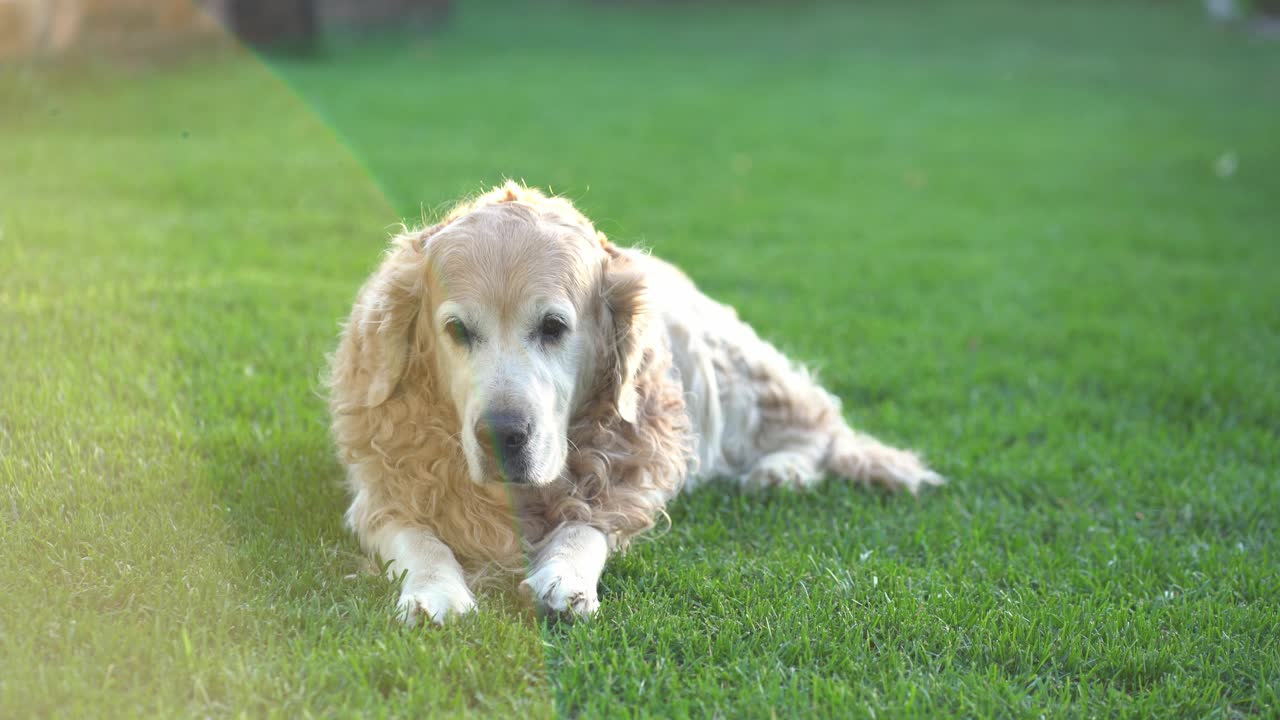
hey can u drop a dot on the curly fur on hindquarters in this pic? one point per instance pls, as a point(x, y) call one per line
point(677, 382)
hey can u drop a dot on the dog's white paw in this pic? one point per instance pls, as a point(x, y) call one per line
point(786, 470)
point(436, 601)
point(557, 588)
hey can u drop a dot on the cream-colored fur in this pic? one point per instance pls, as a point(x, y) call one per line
point(512, 341)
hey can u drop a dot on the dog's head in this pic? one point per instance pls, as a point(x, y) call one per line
point(519, 313)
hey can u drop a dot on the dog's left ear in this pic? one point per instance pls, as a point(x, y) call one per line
point(626, 297)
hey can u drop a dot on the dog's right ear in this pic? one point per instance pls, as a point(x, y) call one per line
point(386, 311)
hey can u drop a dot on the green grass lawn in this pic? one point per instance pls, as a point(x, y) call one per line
point(997, 230)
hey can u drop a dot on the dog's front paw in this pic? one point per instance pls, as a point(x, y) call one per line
point(557, 588)
point(436, 601)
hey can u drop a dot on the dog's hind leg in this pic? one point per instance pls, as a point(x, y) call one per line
point(860, 457)
point(798, 434)
point(845, 453)
point(780, 428)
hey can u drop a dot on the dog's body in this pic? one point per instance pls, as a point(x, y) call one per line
point(513, 342)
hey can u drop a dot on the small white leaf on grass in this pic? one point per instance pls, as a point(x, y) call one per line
point(1226, 164)
point(1223, 10)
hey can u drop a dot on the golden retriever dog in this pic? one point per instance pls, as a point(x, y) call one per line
point(513, 392)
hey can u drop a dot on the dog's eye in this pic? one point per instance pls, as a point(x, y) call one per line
point(458, 331)
point(552, 329)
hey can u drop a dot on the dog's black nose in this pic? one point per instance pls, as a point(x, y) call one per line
point(506, 437)
point(510, 432)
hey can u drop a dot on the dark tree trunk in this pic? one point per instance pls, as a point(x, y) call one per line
point(274, 24)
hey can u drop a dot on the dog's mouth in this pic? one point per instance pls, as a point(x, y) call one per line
point(512, 476)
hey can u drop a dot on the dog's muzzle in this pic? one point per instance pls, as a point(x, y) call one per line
point(504, 438)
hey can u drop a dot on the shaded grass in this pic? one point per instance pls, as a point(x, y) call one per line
point(997, 230)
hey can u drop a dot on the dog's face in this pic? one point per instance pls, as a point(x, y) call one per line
point(519, 315)
point(515, 319)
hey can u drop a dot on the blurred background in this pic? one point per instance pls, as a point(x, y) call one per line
point(51, 27)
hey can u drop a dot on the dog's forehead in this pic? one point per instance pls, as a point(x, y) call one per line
point(508, 257)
